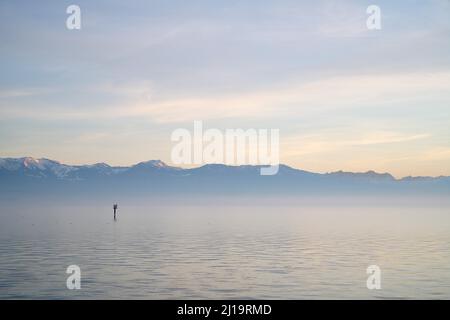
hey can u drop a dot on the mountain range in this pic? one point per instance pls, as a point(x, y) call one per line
point(154, 177)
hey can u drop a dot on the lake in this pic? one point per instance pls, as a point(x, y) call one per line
point(225, 251)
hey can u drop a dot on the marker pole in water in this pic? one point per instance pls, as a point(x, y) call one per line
point(115, 209)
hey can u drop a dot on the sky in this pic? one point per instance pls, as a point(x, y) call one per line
point(343, 97)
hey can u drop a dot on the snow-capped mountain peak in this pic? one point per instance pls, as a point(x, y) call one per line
point(153, 163)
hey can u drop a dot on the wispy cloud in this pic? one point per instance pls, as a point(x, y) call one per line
point(293, 99)
point(296, 99)
point(23, 92)
point(327, 143)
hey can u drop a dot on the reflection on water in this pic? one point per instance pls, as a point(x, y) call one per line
point(198, 252)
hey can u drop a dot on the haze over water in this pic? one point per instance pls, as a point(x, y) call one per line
point(225, 251)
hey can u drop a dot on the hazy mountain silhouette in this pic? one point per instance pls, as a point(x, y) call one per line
point(154, 177)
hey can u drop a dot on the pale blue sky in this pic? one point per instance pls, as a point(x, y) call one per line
point(344, 97)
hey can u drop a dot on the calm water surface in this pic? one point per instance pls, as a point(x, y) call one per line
point(230, 252)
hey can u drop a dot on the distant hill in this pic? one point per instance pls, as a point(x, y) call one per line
point(154, 177)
